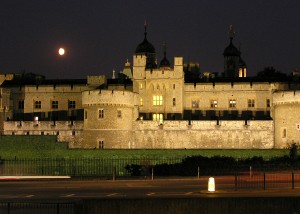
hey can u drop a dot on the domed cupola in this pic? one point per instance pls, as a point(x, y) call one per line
point(231, 50)
point(164, 62)
point(231, 57)
point(147, 49)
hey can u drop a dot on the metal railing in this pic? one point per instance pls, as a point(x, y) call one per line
point(37, 208)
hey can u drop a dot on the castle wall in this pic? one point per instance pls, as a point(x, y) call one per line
point(286, 105)
point(60, 128)
point(46, 94)
point(203, 135)
point(222, 93)
point(181, 135)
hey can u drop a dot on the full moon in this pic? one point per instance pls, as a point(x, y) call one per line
point(61, 51)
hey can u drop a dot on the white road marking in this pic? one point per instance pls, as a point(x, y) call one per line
point(149, 194)
point(70, 195)
point(189, 193)
point(29, 196)
point(113, 194)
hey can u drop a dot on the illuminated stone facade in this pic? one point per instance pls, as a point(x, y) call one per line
point(156, 106)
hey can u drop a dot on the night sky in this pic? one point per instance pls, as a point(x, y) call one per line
point(99, 36)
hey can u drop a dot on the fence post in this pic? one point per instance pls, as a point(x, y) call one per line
point(264, 181)
point(57, 208)
point(198, 172)
point(293, 180)
point(250, 173)
point(114, 173)
point(152, 174)
point(8, 207)
point(235, 181)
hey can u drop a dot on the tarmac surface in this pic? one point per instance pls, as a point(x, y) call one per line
point(70, 189)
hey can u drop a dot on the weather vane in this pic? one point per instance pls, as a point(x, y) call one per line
point(231, 31)
point(145, 26)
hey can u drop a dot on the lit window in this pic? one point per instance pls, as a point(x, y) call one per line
point(72, 104)
point(101, 113)
point(174, 101)
point(232, 103)
point(157, 100)
point(195, 103)
point(158, 117)
point(251, 103)
point(21, 104)
point(54, 104)
point(141, 102)
point(119, 113)
point(141, 86)
point(268, 103)
point(213, 103)
point(38, 104)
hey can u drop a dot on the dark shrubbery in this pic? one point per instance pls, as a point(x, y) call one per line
point(218, 165)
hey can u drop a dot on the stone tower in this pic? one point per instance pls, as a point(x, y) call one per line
point(231, 57)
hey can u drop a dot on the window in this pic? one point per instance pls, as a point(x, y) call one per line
point(195, 103)
point(213, 103)
point(119, 113)
point(54, 104)
point(21, 104)
point(141, 102)
point(232, 103)
point(174, 101)
point(251, 103)
point(158, 117)
point(85, 114)
point(101, 113)
point(157, 100)
point(268, 103)
point(284, 133)
point(141, 86)
point(101, 144)
point(38, 104)
point(173, 86)
point(72, 104)
point(298, 127)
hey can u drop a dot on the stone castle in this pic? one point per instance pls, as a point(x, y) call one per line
point(155, 105)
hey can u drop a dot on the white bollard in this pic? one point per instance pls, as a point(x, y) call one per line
point(211, 184)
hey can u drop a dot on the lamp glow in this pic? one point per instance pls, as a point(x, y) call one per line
point(211, 184)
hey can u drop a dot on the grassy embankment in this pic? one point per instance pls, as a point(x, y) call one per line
point(47, 147)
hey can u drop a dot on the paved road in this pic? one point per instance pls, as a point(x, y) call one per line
point(163, 188)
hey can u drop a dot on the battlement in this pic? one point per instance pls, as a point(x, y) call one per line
point(286, 97)
point(96, 80)
point(228, 86)
point(109, 97)
point(41, 127)
point(54, 88)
